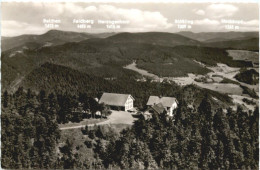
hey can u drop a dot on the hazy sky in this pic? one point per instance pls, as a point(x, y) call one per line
point(27, 17)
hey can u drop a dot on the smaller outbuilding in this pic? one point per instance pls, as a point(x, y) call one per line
point(157, 108)
point(168, 103)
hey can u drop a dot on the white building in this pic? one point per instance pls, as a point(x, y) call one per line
point(169, 103)
point(118, 101)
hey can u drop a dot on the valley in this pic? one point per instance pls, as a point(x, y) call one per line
point(214, 80)
point(129, 85)
point(51, 84)
point(153, 55)
point(141, 71)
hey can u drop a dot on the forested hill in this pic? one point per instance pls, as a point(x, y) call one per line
point(52, 37)
point(60, 79)
point(219, 36)
point(56, 37)
point(201, 138)
point(106, 56)
point(229, 40)
point(42, 87)
point(155, 38)
point(243, 44)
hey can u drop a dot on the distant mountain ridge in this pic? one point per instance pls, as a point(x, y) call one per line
point(52, 37)
point(57, 37)
point(155, 38)
point(219, 36)
point(227, 40)
point(164, 54)
point(242, 44)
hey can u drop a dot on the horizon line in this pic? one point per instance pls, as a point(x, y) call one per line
point(125, 32)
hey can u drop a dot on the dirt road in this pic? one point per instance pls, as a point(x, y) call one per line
point(117, 117)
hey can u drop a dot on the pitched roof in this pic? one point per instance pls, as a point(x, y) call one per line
point(114, 99)
point(158, 108)
point(166, 101)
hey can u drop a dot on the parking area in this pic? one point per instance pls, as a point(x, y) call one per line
point(116, 117)
point(119, 117)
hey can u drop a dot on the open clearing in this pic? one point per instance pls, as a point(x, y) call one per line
point(141, 71)
point(117, 117)
point(212, 80)
point(239, 99)
point(222, 88)
point(221, 70)
point(224, 70)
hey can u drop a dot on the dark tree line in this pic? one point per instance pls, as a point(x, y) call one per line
point(62, 80)
point(249, 76)
point(205, 137)
point(30, 125)
point(29, 130)
point(202, 139)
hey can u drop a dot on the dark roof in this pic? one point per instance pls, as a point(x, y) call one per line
point(165, 101)
point(158, 108)
point(114, 99)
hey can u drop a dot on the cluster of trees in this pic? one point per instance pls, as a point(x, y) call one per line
point(210, 56)
point(106, 58)
point(29, 123)
point(29, 130)
point(250, 76)
point(76, 108)
point(83, 149)
point(63, 80)
point(249, 91)
point(178, 61)
point(65, 107)
point(203, 139)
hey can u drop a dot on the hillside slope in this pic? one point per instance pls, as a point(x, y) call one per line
point(52, 37)
point(155, 38)
point(60, 79)
point(248, 76)
point(219, 36)
point(106, 57)
point(244, 44)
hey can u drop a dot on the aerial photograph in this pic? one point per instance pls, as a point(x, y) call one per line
point(129, 85)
